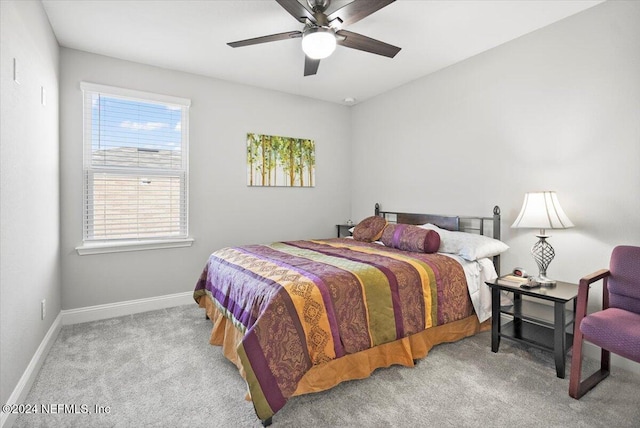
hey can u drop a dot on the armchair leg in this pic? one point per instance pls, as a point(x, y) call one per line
point(576, 364)
point(576, 388)
point(605, 361)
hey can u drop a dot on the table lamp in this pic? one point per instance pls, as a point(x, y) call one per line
point(541, 210)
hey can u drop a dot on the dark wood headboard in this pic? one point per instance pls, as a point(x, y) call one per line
point(480, 225)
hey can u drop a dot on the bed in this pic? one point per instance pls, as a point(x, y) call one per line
point(299, 317)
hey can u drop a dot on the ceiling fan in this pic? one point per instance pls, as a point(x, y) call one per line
point(322, 32)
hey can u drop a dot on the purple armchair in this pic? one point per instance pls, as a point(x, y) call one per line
point(616, 328)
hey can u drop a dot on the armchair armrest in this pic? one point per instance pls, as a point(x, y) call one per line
point(578, 388)
point(595, 276)
point(583, 293)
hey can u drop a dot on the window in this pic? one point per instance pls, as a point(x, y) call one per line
point(135, 166)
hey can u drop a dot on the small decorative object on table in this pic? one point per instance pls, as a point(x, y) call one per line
point(530, 284)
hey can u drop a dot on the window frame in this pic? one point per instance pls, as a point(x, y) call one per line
point(111, 245)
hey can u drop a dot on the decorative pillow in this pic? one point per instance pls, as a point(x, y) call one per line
point(411, 238)
point(469, 246)
point(370, 229)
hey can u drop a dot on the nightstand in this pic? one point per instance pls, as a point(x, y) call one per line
point(344, 228)
point(536, 322)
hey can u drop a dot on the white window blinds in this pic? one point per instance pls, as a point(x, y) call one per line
point(135, 165)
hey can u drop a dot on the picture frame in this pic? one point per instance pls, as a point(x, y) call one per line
point(277, 161)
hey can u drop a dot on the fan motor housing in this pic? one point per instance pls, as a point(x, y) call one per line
point(318, 5)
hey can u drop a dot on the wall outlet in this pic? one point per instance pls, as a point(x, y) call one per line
point(43, 309)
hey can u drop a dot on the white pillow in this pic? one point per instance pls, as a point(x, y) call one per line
point(469, 246)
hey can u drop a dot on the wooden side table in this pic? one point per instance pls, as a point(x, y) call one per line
point(534, 322)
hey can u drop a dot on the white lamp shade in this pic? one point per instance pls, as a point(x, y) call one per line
point(318, 42)
point(542, 210)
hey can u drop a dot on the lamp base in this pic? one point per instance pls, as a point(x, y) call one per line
point(543, 253)
point(544, 281)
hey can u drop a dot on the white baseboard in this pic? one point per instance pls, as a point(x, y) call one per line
point(20, 392)
point(118, 309)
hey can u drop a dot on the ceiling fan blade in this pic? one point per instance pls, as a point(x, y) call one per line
point(355, 11)
point(352, 40)
point(310, 66)
point(266, 39)
point(297, 10)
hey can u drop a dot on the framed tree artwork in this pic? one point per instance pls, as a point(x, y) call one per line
point(274, 161)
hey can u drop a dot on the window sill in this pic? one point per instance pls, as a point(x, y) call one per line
point(124, 246)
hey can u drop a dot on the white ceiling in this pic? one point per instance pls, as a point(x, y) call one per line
point(191, 36)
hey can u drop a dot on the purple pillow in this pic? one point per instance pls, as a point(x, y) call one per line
point(411, 238)
point(370, 229)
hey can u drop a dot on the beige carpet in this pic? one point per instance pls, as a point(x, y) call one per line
point(157, 370)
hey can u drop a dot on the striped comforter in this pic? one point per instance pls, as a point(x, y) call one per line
point(303, 303)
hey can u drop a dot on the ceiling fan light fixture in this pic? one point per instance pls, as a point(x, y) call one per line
point(318, 42)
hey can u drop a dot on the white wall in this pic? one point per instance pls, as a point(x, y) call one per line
point(223, 210)
point(29, 213)
point(557, 109)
